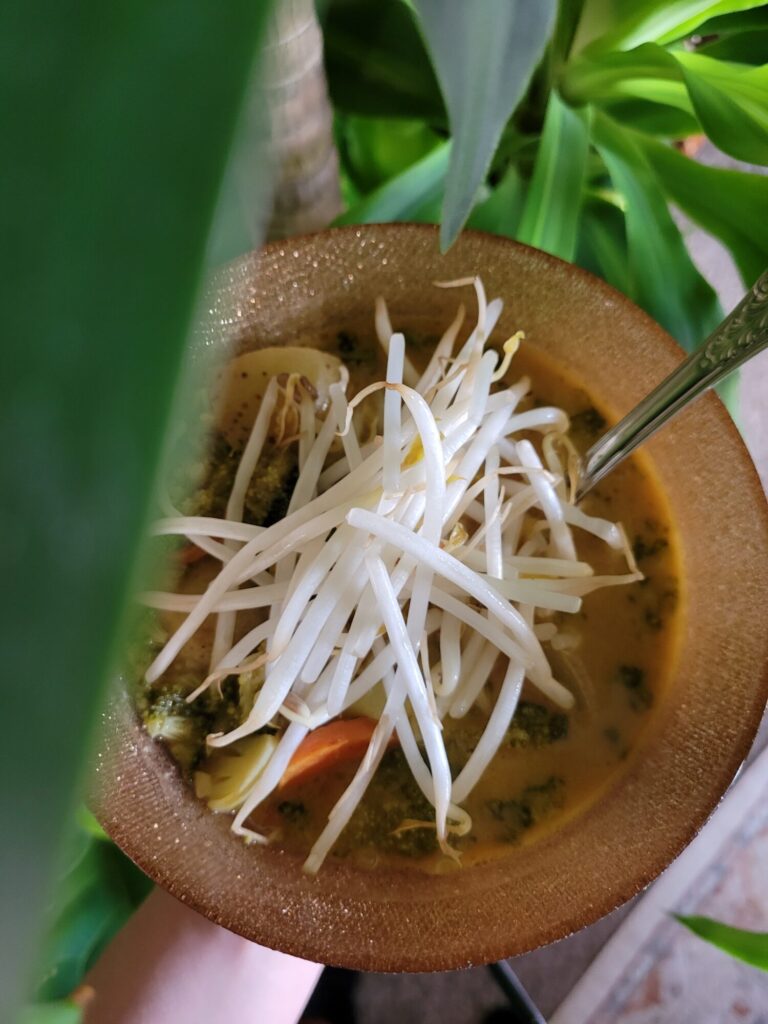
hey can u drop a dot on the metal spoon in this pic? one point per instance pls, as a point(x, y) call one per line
point(742, 334)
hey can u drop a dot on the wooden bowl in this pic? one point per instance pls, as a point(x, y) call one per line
point(396, 921)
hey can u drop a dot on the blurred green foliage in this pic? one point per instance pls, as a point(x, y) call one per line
point(484, 58)
point(95, 894)
point(116, 121)
point(587, 162)
point(751, 947)
point(60, 1011)
point(554, 123)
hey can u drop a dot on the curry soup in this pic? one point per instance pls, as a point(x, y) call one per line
point(616, 655)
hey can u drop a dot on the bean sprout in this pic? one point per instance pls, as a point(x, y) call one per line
point(450, 525)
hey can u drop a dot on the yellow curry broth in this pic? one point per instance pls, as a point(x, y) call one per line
point(626, 638)
point(550, 766)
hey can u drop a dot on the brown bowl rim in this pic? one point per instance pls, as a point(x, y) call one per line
point(104, 797)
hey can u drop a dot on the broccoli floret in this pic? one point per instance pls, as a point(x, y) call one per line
point(346, 343)
point(657, 603)
point(588, 422)
point(183, 726)
point(533, 805)
point(392, 798)
point(536, 726)
point(545, 798)
point(270, 490)
point(638, 691)
point(514, 816)
point(356, 350)
point(643, 548)
point(461, 736)
point(293, 811)
point(208, 495)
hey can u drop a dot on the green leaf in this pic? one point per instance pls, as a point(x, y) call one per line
point(60, 1012)
point(377, 149)
point(602, 245)
point(662, 278)
point(725, 203)
point(741, 37)
point(95, 896)
point(89, 824)
point(731, 102)
point(751, 947)
point(649, 72)
point(726, 25)
point(515, 147)
point(484, 56)
point(405, 196)
point(749, 47)
point(376, 61)
point(551, 216)
point(500, 213)
point(664, 93)
point(662, 21)
point(655, 118)
point(116, 122)
point(566, 27)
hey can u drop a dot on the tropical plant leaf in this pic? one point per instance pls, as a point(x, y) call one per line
point(731, 102)
point(741, 38)
point(602, 247)
point(376, 149)
point(95, 896)
point(751, 947)
point(723, 202)
point(500, 213)
point(591, 78)
point(515, 147)
point(646, 71)
point(376, 61)
point(566, 27)
point(662, 278)
point(406, 196)
point(663, 93)
point(484, 56)
point(60, 1012)
point(88, 823)
point(655, 118)
point(726, 25)
point(748, 47)
point(551, 215)
point(662, 21)
point(118, 118)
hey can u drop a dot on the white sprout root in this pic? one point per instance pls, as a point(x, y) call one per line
point(450, 524)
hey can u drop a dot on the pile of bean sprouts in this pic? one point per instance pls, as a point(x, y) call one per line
point(449, 525)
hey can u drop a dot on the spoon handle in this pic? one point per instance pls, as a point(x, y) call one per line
point(740, 336)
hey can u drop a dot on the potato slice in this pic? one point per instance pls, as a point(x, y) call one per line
point(243, 381)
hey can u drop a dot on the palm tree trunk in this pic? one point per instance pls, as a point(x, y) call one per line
point(306, 194)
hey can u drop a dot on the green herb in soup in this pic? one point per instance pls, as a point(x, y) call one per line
point(392, 638)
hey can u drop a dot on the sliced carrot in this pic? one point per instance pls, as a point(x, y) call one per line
point(345, 739)
point(190, 554)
